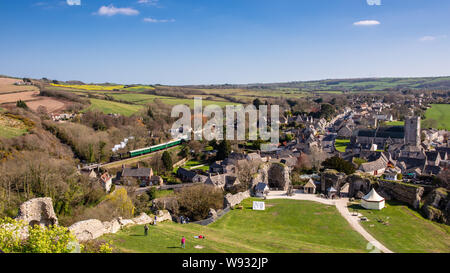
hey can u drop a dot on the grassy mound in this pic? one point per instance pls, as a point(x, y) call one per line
point(285, 226)
point(406, 230)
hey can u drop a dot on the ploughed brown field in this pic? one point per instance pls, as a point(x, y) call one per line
point(10, 94)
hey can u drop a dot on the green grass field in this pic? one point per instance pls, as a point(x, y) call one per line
point(108, 107)
point(287, 226)
point(408, 231)
point(395, 123)
point(341, 144)
point(441, 114)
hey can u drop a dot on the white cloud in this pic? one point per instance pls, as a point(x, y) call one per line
point(374, 2)
point(112, 10)
point(152, 20)
point(432, 38)
point(367, 23)
point(74, 2)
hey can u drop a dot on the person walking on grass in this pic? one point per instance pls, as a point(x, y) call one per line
point(156, 220)
point(146, 230)
point(183, 242)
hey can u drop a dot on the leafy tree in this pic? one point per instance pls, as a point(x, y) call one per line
point(223, 150)
point(196, 201)
point(339, 165)
point(257, 102)
point(121, 203)
point(167, 161)
point(327, 111)
point(184, 151)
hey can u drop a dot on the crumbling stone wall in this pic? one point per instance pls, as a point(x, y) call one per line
point(405, 193)
point(92, 229)
point(38, 211)
point(436, 206)
point(235, 199)
point(331, 178)
point(358, 186)
point(87, 230)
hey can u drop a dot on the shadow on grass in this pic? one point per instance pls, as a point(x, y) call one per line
point(174, 247)
point(137, 235)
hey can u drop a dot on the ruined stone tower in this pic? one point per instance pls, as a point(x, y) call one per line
point(412, 131)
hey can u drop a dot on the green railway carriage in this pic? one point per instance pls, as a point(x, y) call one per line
point(155, 148)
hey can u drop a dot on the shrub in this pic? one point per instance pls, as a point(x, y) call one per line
point(53, 239)
point(196, 201)
point(339, 165)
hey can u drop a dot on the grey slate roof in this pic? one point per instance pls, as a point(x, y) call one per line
point(136, 172)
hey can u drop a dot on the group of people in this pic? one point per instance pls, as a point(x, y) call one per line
point(184, 220)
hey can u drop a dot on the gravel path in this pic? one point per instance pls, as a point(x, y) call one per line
point(341, 205)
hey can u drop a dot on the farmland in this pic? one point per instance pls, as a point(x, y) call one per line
point(111, 107)
point(286, 226)
point(95, 87)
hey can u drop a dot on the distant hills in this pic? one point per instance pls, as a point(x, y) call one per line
point(351, 85)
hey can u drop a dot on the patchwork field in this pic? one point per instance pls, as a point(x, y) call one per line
point(286, 226)
point(94, 87)
point(111, 107)
point(441, 114)
point(13, 97)
point(407, 231)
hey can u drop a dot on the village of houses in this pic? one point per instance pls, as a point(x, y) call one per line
point(391, 163)
point(395, 157)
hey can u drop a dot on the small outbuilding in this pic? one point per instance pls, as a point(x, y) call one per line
point(373, 201)
point(310, 187)
point(332, 192)
point(261, 189)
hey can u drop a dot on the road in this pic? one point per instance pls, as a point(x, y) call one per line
point(341, 205)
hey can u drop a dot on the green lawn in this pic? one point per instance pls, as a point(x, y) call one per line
point(108, 107)
point(287, 226)
point(341, 144)
point(408, 231)
point(441, 114)
point(395, 123)
point(163, 193)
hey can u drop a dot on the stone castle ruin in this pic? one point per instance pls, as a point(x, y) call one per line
point(38, 211)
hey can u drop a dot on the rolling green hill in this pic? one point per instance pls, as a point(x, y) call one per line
point(351, 85)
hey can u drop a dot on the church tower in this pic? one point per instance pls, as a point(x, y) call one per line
point(412, 131)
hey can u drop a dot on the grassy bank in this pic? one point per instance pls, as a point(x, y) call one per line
point(285, 226)
point(407, 231)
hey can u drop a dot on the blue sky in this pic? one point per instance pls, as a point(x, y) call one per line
point(223, 41)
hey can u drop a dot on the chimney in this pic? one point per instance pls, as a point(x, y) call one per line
point(138, 165)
